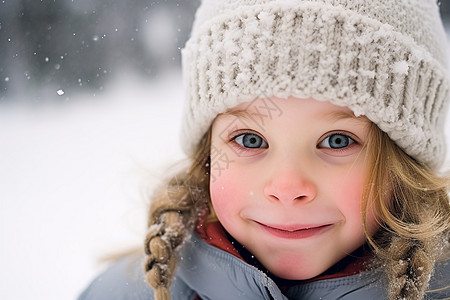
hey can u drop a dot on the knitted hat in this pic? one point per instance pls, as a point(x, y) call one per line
point(383, 59)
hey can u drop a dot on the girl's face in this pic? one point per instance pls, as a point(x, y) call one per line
point(287, 179)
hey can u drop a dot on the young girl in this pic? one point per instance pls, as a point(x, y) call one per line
point(314, 131)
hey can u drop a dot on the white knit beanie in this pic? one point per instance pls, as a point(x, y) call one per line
point(384, 59)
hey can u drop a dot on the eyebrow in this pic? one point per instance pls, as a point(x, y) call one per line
point(336, 116)
point(240, 113)
point(339, 115)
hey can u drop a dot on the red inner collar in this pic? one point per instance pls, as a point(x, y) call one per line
point(214, 235)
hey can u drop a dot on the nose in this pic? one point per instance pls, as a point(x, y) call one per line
point(290, 185)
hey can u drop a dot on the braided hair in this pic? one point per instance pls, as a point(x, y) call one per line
point(173, 213)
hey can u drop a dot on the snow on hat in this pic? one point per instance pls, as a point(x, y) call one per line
point(383, 59)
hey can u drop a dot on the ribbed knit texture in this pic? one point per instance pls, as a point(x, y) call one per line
point(382, 59)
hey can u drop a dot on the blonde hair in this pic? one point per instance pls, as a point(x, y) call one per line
point(411, 203)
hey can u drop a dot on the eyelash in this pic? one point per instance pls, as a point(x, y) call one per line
point(242, 133)
point(353, 143)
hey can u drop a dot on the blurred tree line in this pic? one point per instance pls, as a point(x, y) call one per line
point(77, 45)
point(444, 6)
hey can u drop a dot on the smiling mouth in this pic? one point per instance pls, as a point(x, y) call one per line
point(300, 233)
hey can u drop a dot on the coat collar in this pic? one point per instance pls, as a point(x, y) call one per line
point(217, 274)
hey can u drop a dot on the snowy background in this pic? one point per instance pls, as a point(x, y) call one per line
point(90, 106)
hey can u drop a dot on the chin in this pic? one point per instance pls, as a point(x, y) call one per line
point(292, 271)
point(296, 275)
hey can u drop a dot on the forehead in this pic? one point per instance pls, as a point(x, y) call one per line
point(295, 107)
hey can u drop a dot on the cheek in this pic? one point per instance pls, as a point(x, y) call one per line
point(350, 199)
point(224, 191)
point(349, 193)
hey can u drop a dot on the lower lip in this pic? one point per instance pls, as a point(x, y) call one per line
point(296, 234)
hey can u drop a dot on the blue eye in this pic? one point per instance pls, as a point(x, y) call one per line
point(250, 140)
point(336, 141)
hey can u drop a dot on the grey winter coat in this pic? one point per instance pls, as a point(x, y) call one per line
point(211, 273)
